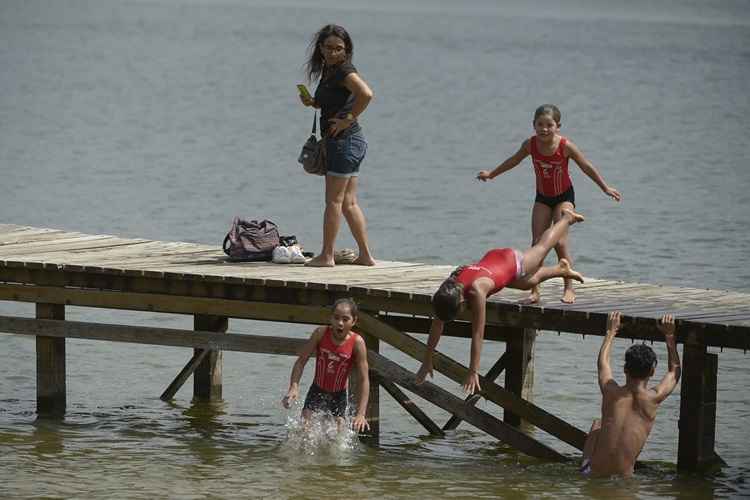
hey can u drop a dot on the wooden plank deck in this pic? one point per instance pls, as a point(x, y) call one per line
point(43, 257)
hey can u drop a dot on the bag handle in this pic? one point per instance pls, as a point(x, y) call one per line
point(224, 245)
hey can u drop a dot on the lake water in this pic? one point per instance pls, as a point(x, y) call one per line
point(164, 119)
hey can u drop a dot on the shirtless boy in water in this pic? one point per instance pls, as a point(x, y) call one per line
point(628, 411)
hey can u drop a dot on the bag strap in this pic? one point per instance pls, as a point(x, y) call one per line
point(315, 122)
point(224, 245)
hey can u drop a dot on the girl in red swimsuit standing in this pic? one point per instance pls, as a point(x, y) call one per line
point(549, 153)
point(337, 350)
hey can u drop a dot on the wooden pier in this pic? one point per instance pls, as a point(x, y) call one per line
point(55, 268)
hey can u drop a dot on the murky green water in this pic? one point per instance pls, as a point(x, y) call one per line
point(163, 119)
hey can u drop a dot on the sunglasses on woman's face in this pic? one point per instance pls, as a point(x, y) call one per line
point(332, 49)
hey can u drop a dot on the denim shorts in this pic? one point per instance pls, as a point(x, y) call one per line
point(345, 153)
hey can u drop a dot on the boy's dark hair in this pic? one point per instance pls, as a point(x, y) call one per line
point(639, 361)
point(447, 300)
point(548, 109)
point(353, 309)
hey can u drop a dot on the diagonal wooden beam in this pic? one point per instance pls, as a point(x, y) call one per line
point(181, 377)
point(447, 401)
point(409, 405)
point(492, 374)
point(491, 391)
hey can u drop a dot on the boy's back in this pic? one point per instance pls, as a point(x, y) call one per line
point(627, 418)
point(628, 411)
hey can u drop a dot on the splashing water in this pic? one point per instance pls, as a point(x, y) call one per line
point(322, 435)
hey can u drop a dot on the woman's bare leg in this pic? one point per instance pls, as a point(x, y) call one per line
point(335, 192)
point(541, 218)
point(562, 249)
point(357, 223)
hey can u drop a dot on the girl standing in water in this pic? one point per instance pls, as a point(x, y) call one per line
point(549, 153)
point(338, 350)
point(342, 95)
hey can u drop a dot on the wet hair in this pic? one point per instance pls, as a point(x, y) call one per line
point(315, 63)
point(548, 109)
point(639, 361)
point(353, 309)
point(447, 300)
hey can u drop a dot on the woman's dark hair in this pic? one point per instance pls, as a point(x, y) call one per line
point(447, 300)
point(639, 361)
point(548, 109)
point(353, 309)
point(314, 65)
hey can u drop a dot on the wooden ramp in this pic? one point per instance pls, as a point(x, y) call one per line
point(54, 268)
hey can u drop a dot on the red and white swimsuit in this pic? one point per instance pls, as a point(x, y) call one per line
point(552, 176)
point(334, 362)
point(501, 265)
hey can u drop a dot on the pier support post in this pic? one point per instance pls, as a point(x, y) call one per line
point(697, 424)
point(373, 405)
point(207, 379)
point(50, 367)
point(519, 367)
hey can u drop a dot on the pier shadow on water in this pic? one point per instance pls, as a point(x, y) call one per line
point(201, 429)
point(47, 437)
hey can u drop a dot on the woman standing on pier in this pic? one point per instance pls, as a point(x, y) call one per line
point(342, 95)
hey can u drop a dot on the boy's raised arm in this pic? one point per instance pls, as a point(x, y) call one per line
point(669, 382)
point(603, 367)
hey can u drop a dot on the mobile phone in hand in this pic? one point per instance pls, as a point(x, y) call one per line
point(304, 92)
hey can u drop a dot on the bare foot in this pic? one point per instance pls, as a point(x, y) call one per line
point(569, 295)
point(424, 370)
point(574, 216)
point(533, 297)
point(320, 261)
point(567, 272)
point(364, 261)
